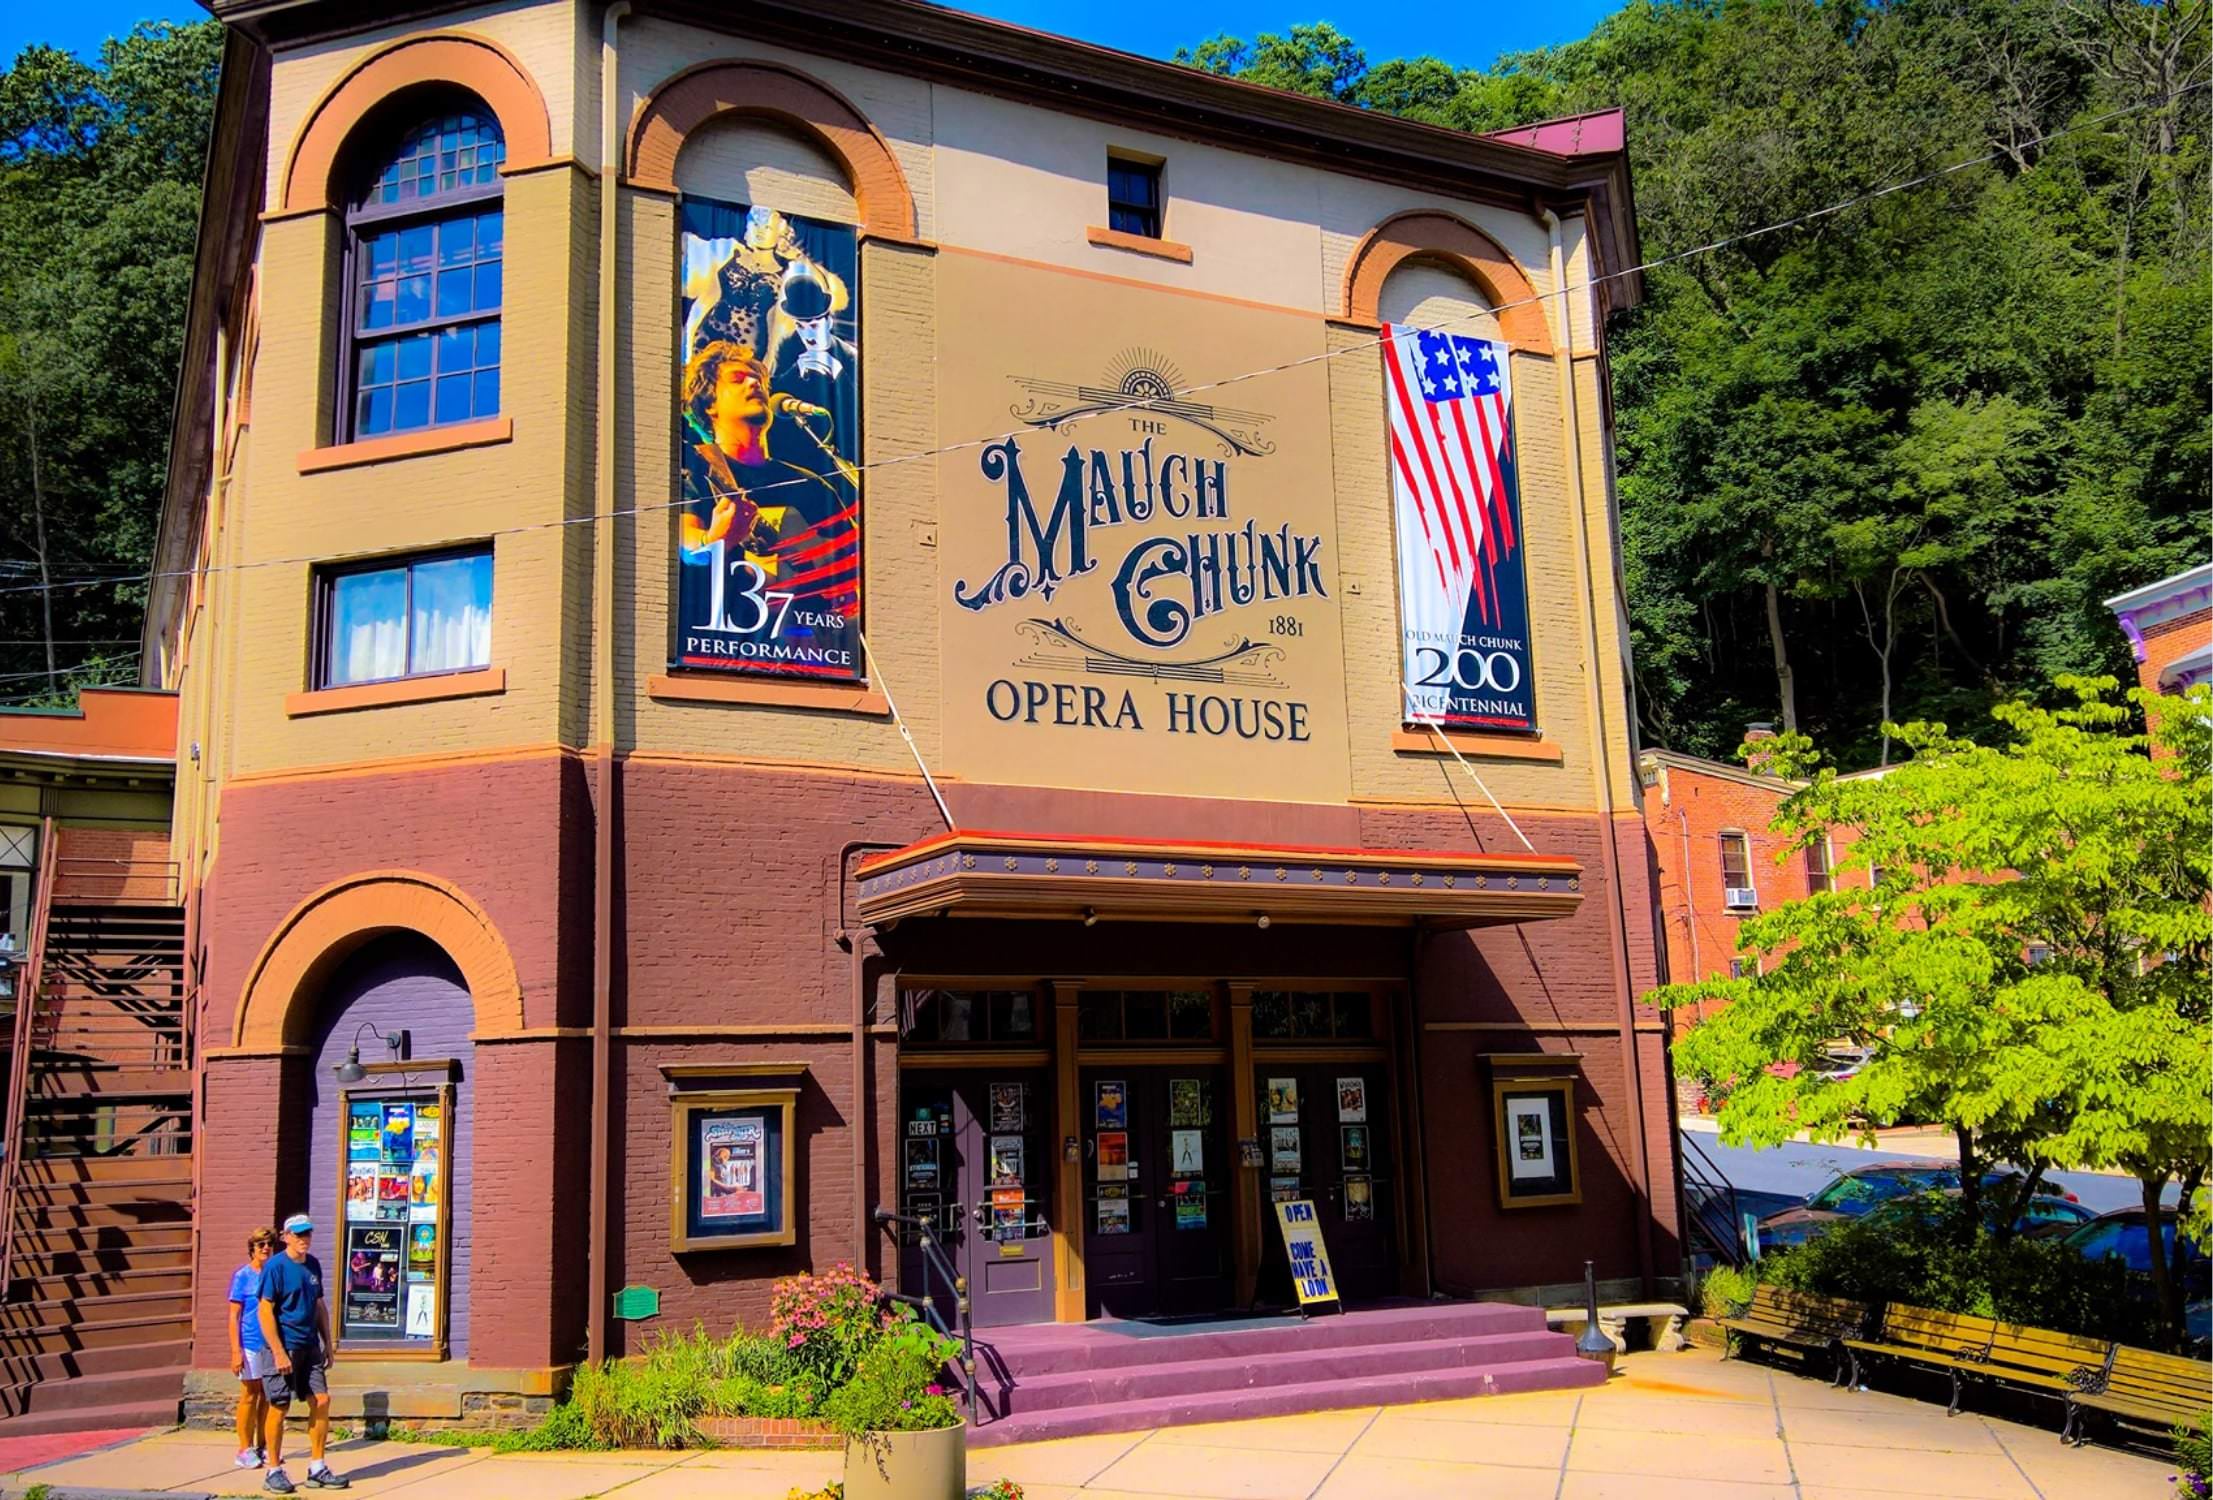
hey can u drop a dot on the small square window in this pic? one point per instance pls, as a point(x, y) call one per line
point(1133, 197)
point(410, 617)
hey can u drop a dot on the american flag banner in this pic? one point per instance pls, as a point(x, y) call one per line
point(1463, 603)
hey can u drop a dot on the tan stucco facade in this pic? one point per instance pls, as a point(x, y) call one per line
point(994, 183)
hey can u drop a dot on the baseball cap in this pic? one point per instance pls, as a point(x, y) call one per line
point(299, 1224)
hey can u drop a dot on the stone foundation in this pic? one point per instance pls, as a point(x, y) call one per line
point(430, 1395)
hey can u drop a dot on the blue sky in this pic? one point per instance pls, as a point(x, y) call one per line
point(1471, 33)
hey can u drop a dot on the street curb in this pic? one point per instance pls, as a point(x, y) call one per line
point(70, 1492)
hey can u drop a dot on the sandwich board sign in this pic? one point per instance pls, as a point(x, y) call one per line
point(1311, 1277)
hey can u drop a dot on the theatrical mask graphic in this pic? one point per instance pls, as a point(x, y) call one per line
point(768, 397)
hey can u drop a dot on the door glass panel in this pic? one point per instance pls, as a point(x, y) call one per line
point(1145, 1016)
point(1190, 1015)
point(1309, 1016)
point(1013, 1016)
point(1099, 1017)
point(1353, 1018)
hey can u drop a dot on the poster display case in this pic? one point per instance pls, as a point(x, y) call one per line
point(730, 1169)
point(395, 1167)
point(1534, 1122)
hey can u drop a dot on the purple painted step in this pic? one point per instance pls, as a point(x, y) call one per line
point(1065, 1380)
point(1240, 1372)
point(1565, 1373)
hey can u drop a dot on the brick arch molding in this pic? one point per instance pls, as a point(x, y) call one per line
point(483, 67)
point(1444, 239)
point(688, 100)
point(278, 1006)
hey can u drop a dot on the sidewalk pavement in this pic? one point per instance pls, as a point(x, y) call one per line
point(1667, 1427)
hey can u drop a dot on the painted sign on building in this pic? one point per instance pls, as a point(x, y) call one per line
point(1463, 601)
point(1138, 560)
point(768, 398)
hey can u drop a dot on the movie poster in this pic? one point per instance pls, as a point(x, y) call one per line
point(372, 1294)
point(364, 1132)
point(1113, 1208)
point(732, 1172)
point(1114, 1155)
point(361, 1190)
point(1530, 1152)
point(1110, 1107)
point(1283, 1148)
point(399, 1134)
point(768, 401)
point(1283, 1101)
point(1359, 1199)
point(1463, 602)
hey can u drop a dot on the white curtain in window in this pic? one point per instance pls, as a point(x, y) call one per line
point(368, 627)
point(453, 614)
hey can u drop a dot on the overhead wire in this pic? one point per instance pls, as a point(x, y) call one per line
point(1164, 398)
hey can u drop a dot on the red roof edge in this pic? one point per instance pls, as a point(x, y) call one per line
point(107, 723)
point(1599, 133)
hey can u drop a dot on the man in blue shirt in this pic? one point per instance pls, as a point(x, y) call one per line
point(296, 1323)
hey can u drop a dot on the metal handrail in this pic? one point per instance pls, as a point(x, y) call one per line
point(1705, 1185)
point(29, 981)
point(934, 1260)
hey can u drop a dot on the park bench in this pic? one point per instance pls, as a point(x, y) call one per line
point(1966, 1347)
point(2143, 1388)
point(1800, 1321)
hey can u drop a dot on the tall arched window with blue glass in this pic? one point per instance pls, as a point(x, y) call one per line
point(425, 241)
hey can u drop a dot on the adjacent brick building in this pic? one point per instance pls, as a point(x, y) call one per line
point(520, 407)
point(2169, 625)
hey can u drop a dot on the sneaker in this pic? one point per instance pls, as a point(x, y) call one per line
point(277, 1483)
point(249, 1458)
point(321, 1478)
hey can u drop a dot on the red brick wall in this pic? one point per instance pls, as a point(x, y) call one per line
point(728, 901)
point(2170, 640)
point(1698, 807)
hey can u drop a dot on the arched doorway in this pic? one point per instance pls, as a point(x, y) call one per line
point(389, 1165)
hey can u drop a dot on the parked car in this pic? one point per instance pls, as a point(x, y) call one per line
point(1862, 1190)
point(2122, 1233)
point(2048, 1211)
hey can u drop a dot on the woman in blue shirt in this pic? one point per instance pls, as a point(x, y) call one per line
point(248, 1343)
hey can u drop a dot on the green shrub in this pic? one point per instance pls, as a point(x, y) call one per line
point(1927, 1253)
point(1725, 1291)
point(2194, 1457)
point(896, 1387)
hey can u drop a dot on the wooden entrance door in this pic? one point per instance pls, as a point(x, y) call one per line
point(980, 1170)
point(1341, 1116)
point(1157, 1182)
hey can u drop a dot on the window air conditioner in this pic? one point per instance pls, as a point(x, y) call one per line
point(1741, 898)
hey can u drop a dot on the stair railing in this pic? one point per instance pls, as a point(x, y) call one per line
point(1710, 1204)
point(30, 981)
point(935, 1265)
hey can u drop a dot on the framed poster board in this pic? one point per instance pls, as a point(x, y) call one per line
point(730, 1169)
point(394, 1229)
point(1534, 1120)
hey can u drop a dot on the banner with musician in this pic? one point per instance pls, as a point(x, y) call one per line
point(768, 397)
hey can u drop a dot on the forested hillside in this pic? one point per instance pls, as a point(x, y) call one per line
point(1883, 462)
point(1886, 462)
point(99, 193)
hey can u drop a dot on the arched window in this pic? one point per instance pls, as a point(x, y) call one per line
point(424, 242)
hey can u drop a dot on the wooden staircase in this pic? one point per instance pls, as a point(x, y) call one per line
point(96, 1224)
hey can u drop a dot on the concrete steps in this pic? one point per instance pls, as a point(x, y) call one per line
point(1052, 1381)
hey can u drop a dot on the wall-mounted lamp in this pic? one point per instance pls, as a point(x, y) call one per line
point(1090, 916)
point(1262, 922)
point(351, 1071)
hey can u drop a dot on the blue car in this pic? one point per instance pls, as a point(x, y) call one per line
point(1862, 1190)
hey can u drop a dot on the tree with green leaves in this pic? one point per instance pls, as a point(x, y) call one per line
point(1882, 462)
point(2033, 969)
point(100, 168)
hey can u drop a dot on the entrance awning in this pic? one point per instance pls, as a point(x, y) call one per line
point(973, 873)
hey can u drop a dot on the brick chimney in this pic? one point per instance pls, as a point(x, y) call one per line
point(1756, 751)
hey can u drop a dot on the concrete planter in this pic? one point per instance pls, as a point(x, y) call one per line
point(930, 1465)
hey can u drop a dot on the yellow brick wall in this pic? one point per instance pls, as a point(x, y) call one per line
point(988, 176)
